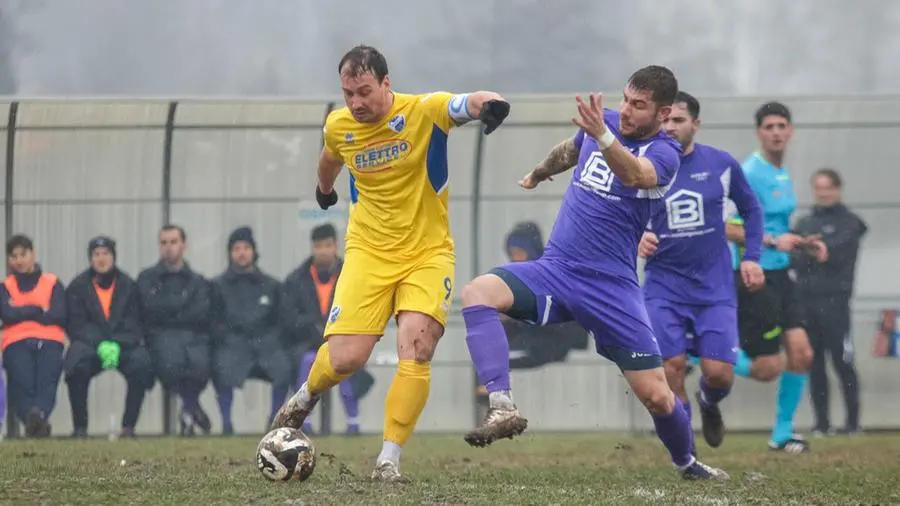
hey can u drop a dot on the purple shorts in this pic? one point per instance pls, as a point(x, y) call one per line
point(610, 308)
point(714, 328)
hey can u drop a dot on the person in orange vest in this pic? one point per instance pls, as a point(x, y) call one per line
point(33, 310)
point(306, 301)
point(104, 328)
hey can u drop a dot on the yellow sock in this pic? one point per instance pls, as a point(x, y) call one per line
point(321, 375)
point(405, 400)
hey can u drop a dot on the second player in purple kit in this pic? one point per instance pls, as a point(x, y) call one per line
point(625, 164)
point(689, 285)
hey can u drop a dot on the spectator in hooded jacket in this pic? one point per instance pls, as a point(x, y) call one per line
point(247, 333)
point(33, 310)
point(104, 328)
point(525, 242)
point(175, 307)
point(531, 346)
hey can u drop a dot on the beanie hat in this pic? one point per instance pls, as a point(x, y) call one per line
point(102, 241)
point(527, 236)
point(243, 234)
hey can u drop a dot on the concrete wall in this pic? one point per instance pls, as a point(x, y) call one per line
point(86, 168)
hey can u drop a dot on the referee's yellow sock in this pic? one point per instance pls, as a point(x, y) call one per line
point(405, 400)
point(322, 375)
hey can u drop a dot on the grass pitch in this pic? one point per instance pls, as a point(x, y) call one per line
point(541, 469)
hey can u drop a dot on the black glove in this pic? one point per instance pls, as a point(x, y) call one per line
point(493, 112)
point(325, 201)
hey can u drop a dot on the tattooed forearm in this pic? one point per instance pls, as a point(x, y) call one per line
point(561, 158)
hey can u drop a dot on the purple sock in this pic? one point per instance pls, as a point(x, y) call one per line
point(279, 394)
point(225, 397)
point(674, 430)
point(488, 346)
point(306, 363)
point(711, 396)
point(2, 399)
point(690, 416)
point(350, 402)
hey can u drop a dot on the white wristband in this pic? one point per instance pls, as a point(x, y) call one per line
point(606, 140)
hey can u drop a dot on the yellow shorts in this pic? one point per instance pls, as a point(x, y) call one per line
point(370, 290)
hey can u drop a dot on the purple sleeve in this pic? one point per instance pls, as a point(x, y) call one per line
point(666, 159)
point(578, 139)
point(749, 210)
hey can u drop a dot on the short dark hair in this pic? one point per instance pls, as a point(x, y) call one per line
point(180, 230)
point(693, 105)
point(772, 109)
point(658, 80)
point(362, 59)
point(832, 176)
point(18, 241)
point(323, 232)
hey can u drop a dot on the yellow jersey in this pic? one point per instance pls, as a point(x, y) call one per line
point(398, 174)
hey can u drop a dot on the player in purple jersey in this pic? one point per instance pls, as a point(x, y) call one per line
point(625, 164)
point(689, 282)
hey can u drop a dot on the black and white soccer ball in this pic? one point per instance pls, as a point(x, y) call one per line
point(285, 454)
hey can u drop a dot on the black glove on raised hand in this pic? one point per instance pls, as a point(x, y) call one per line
point(493, 112)
point(326, 201)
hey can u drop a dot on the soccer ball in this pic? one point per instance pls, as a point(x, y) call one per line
point(285, 454)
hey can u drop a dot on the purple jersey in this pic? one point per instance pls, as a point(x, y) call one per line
point(693, 262)
point(601, 220)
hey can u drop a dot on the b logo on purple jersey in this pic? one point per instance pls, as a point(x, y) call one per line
point(692, 264)
point(684, 210)
point(597, 175)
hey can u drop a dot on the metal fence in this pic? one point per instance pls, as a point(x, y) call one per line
point(79, 168)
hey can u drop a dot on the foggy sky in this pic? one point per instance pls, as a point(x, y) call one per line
point(291, 47)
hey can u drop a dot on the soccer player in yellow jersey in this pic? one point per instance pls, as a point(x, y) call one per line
point(399, 258)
